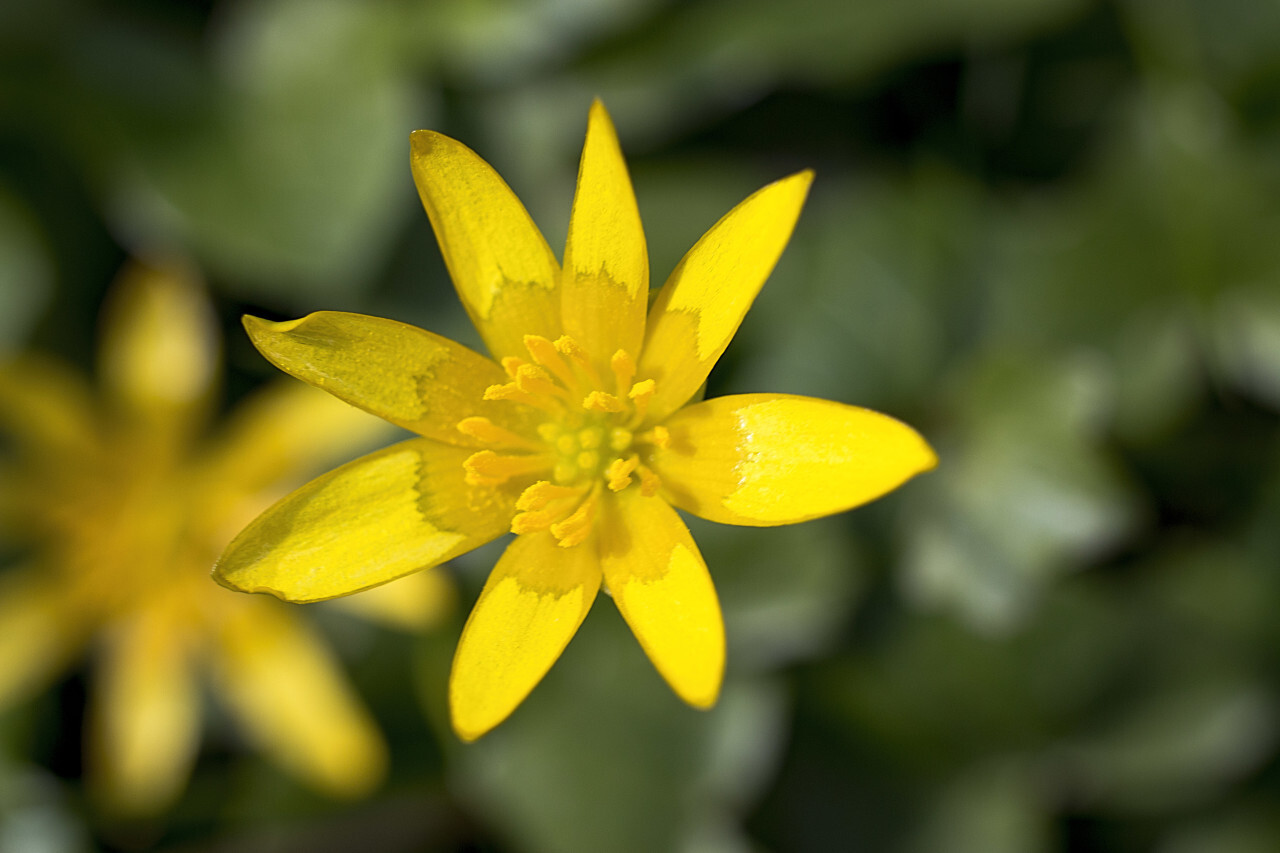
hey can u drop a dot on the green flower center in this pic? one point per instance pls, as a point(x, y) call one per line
point(588, 442)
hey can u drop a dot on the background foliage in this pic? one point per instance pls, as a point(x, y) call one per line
point(1042, 231)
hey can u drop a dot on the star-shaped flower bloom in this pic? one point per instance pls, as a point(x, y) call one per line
point(579, 436)
point(119, 503)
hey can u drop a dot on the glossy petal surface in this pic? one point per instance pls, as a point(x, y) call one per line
point(506, 275)
point(403, 508)
point(531, 606)
point(411, 377)
point(703, 302)
point(661, 586)
point(290, 696)
point(766, 459)
point(606, 263)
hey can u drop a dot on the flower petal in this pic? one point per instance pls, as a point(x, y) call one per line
point(48, 410)
point(766, 459)
point(531, 606)
point(159, 354)
point(412, 603)
point(661, 586)
point(36, 636)
point(145, 723)
point(409, 376)
point(700, 307)
point(606, 263)
point(400, 509)
point(288, 693)
point(504, 271)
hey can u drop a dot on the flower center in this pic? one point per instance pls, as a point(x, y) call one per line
point(587, 442)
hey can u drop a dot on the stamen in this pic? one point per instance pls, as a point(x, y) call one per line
point(511, 391)
point(542, 493)
point(511, 364)
point(486, 468)
point(576, 527)
point(641, 394)
point(532, 379)
point(571, 348)
point(485, 430)
point(619, 472)
point(649, 482)
point(659, 436)
point(544, 353)
point(624, 370)
point(600, 401)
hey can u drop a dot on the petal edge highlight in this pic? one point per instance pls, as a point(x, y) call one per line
point(769, 459)
point(504, 271)
point(664, 592)
point(403, 508)
point(699, 309)
point(531, 606)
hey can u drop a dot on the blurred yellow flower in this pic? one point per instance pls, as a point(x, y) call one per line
point(121, 505)
point(579, 437)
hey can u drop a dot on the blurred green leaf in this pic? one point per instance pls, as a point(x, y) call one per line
point(995, 807)
point(603, 757)
point(26, 272)
point(298, 174)
point(1023, 493)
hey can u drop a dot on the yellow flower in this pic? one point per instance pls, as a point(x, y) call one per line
point(121, 512)
point(579, 437)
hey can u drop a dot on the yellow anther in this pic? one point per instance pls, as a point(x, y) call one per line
point(619, 472)
point(576, 526)
point(512, 392)
point(544, 353)
point(624, 370)
point(576, 354)
point(530, 522)
point(641, 394)
point(589, 439)
point(549, 431)
point(620, 438)
point(599, 401)
point(532, 379)
point(485, 430)
point(659, 436)
point(588, 460)
point(567, 443)
point(486, 468)
point(511, 364)
point(564, 472)
point(542, 493)
point(649, 482)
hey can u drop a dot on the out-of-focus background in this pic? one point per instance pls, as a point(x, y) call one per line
point(1044, 232)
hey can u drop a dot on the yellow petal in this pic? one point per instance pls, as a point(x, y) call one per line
point(145, 722)
point(409, 376)
point(403, 508)
point(36, 635)
point(606, 263)
point(766, 459)
point(504, 271)
point(160, 347)
point(48, 410)
point(411, 603)
point(661, 586)
point(531, 606)
point(700, 307)
point(289, 695)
